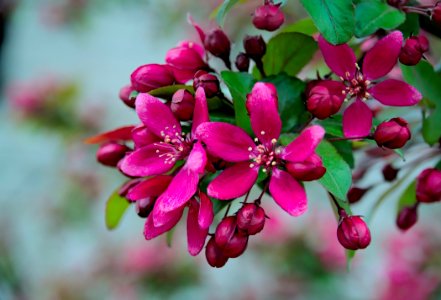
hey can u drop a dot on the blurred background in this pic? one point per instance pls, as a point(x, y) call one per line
point(62, 63)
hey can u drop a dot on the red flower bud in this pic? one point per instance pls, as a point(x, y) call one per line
point(413, 50)
point(353, 233)
point(124, 95)
point(355, 194)
point(424, 43)
point(144, 206)
point(436, 13)
point(111, 153)
point(236, 246)
point(182, 105)
point(214, 254)
point(397, 3)
point(392, 134)
point(125, 189)
point(208, 82)
point(308, 170)
point(325, 99)
point(255, 46)
point(242, 62)
point(185, 62)
point(217, 43)
point(152, 76)
point(225, 231)
point(407, 217)
point(268, 17)
point(428, 187)
point(250, 219)
point(389, 172)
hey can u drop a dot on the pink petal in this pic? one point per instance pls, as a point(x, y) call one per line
point(156, 116)
point(226, 141)
point(182, 75)
point(119, 134)
point(152, 187)
point(142, 136)
point(151, 231)
point(145, 161)
point(189, 44)
point(206, 213)
point(288, 193)
point(395, 93)
point(200, 113)
point(383, 56)
point(357, 120)
point(196, 235)
point(304, 145)
point(262, 107)
point(233, 182)
point(197, 27)
point(340, 59)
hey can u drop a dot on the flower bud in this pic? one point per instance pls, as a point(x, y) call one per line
point(111, 153)
point(236, 246)
point(250, 219)
point(353, 233)
point(185, 61)
point(242, 62)
point(436, 13)
point(125, 189)
point(397, 3)
point(217, 43)
point(144, 206)
point(325, 99)
point(182, 105)
point(124, 95)
point(268, 16)
point(423, 43)
point(214, 254)
point(308, 170)
point(208, 82)
point(225, 231)
point(407, 217)
point(392, 134)
point(413, 50)
point(389, 173)
point(255, 46)
point(152, 76)
point(355, 194)
point(428, 187)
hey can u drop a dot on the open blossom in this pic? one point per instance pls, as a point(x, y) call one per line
point(233, 144)
point(361, 84)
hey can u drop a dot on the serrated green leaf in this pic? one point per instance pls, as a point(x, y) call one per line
point(115, 209)
point(333, 18)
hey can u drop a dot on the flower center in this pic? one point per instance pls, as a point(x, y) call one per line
point(263, 155)
point(174, 145)
point(356, 86)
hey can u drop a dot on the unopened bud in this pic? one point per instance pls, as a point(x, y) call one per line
point(111, 153)
point(185, 61)
point(236, 246)
point(436, 13)
point(353, 233)
point(182, 105)
point(407, 217)
point(255, 46)
point(225, 231)
point(208, 82)
point(242, 62)
point(250, 219)
point(392, 134)
point(397, 3)
point(389, 172)
point(355, 194)
point(217, 43)
point(428, 187)
point(325, 99)
point(413, 50)
point(152, 76)
point(124, 95)
point(214, 254)
point(268, 16)
point(144, 206)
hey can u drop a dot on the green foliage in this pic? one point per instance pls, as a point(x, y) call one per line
point(115, 209)
point(408, 197)
point(223, 9)
point(305, 26)
point(167, 92)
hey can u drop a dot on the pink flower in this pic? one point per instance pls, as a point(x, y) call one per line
point(361, 83)
point(233, 144)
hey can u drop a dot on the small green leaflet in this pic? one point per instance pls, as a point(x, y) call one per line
point(115, 208)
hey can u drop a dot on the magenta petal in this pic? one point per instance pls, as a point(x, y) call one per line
point(152, 187)
point(197, 27)
point(144, 161)
point(233, 182)
point(226, 141)
point(288, 193)
point(189, 44)
point(395, 93)
point(196, 235)
point(383, 56)
point(142, 136)
point(119, 134)
point(357, 120)
point(172, 218)
point(340, 59)
point(304, 145)
point(262, 107)
point(156, 116)
point(200, 113)
point(206, 213)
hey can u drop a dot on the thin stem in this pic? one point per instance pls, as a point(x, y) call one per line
point(417, 10)
point(349, 138)
point(258, 200)
point(259, 65)
point(246, 197)
point(228, 210)
point(307, 123)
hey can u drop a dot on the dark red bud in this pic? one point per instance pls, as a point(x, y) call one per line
point(389, 172)
point(324, 99)
point(215, 255)
point(353, 233)
point(250, 219)
point(255, 46)
point(308, 170)
point(217, 43)
point(428, 187)
point(392, 134)
point(268, 17)
point(397, 3)
point(355, 194)
point(407, 217)
point(436, 13)
point(242, 62)
point(124, 95)
point(208, 82)
point(182, 105)
point(144, 206)
point(225, 231)
point(236, 246)
point(111, 153)
point(424, 43)
point(125, 189)
point(413, 49)
point(152, 76)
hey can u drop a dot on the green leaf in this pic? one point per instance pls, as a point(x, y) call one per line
point(288, 52)
point(223, 9)
point(344, 148)
point(333, 18)
point(338, 178)
point(291, 106)
point(305, 26)
point(372, 15)
point(167, 92)
point(115, 208)
point(333, 125)
point(411, 26)
point(219, 205)
point(239, 84)
point(408, 197)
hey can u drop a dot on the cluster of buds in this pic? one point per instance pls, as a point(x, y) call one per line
point(413, 50)
point(255, 49)
point(352, 232)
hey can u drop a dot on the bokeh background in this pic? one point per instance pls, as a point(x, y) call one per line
point(62, 65)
